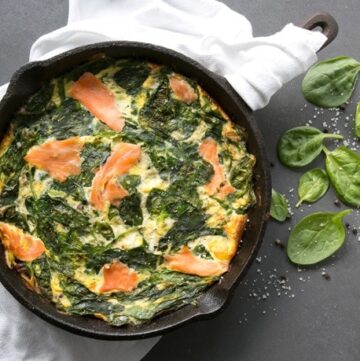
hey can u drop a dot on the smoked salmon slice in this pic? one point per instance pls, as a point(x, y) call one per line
point(182, 89)
point(23, 246)
point(60, 158)
point(104, 186)
point(186, 262)
point(218, 184)
point(118, 277)
point(98, 100)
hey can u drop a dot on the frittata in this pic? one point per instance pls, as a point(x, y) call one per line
point(124, 190)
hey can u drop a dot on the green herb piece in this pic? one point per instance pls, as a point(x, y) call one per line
point(201, 251)
point(130, 210)
point(279, 207)
point(331, 83)
point(189, 226)
point(357, 120)
point(131, 77)
point(93, 66)
point(316, 237)
point(312, 186)
point(343, 168)
point(299, 146)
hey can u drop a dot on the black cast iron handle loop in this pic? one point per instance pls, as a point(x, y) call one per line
point(327, 23)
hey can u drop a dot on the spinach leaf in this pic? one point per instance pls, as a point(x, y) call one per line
point(11, 215)
point(316, 237)
point(61, 212)
point(182, 164)
point(39, 102)
point(201, 251)
point(159, 109)
point(68, 120)
point(130, 182)
point(331, 83)
point(299, 146)
point(343, 168)
point(93, 66)
point(312, 186)
point(131, 77)
point(357, 120)
point(241, 174)
point(279, 206)
point(104, 229)
point(48, 212)
point(93, 156)
point(189, 226)
point(130, 210)
point(166, 202)
point(12, 163)
point(137, 258)
point(41, 269)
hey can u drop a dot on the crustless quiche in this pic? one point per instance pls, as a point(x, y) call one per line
point(124, 190)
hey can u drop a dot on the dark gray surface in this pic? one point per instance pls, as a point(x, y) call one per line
point(322, 321)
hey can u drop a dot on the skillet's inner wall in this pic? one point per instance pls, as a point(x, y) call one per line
point(135, 219)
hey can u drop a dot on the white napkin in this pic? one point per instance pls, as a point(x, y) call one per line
point(205, 30)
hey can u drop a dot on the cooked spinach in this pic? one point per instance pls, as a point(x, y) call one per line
point(331, 83)
point(299, 146)
point(138, 258)
point(39, 102)
point(312, 186)
point(167, 203)
point(132, 77)
point(239, 175)
point(279, 206)
point(343, 168)
point(189, 226)
point(41, 270)
point(130, 210)
point(93, 156)
point(10, 215)
point(159, 109)
point(62, 122)
point(66, 121)
point(316, 237)
point(201, 251)
point(94, 66)
point(130, 182)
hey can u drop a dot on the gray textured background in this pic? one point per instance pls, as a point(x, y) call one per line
point(321, 322)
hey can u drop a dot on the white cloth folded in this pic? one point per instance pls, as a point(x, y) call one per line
point(205, 30)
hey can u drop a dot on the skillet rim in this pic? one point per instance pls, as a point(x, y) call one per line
point(217, 296)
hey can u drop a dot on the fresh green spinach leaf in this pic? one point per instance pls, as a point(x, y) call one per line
point(343, 168)
point(357, 120)
point(316, 237)
point(279, 206)
point(312, 186)
point(299, 146)
point(331, 83)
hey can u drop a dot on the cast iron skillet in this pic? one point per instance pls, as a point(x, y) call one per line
point(28, 80)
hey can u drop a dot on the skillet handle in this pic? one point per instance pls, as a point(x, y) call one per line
point(329, 26)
